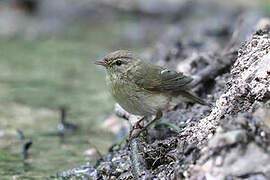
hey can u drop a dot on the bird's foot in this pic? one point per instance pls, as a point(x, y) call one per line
point(138, 124)
point(142, 129)
point(134, 128)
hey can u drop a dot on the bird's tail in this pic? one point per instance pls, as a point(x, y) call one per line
point(192, 98)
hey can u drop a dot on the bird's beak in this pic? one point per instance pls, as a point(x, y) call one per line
point(101, 63)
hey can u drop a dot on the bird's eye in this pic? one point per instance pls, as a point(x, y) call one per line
point(118, 63)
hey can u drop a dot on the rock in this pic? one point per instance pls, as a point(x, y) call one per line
point(228, 138)
point(249, 82)
point(238, 162)
point(239, 149)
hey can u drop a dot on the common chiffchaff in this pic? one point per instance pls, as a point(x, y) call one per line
point(142, 88)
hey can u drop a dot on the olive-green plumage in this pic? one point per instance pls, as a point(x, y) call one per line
point(142, 88)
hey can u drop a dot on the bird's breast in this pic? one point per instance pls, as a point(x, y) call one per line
point(136, 100)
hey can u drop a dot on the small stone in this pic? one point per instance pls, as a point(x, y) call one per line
point(90, 152)
point(112, 177)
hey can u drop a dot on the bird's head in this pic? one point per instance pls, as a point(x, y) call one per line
point(118, 62)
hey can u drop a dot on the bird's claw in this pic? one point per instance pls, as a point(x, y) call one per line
point(141, 129)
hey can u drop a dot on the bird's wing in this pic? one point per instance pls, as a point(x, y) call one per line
point(159, 79)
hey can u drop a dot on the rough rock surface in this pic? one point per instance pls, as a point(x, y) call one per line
point(240, 147)
point(230, 140)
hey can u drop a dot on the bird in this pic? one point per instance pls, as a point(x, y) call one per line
point(144, 89)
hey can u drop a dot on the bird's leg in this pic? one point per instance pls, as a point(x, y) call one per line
point(136, 126)
point(157, 117)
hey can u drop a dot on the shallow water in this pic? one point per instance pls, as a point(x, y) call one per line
point(47, 75)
